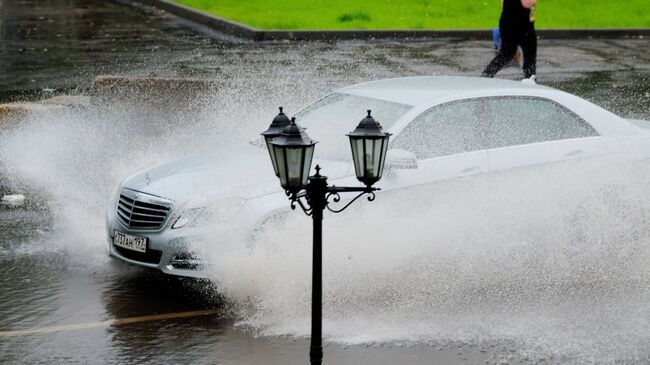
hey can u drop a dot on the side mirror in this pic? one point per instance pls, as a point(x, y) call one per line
point(401, 160)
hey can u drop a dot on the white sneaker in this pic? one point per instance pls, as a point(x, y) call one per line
point(531, 80)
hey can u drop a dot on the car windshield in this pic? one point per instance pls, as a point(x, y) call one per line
point(331, 118)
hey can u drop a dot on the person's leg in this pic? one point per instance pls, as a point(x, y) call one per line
point(529, 46)
point(505, 55)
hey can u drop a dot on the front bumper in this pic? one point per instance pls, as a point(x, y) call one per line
point(174, 251)
point(168, 250)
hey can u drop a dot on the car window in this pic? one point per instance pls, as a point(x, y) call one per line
point(446, 129)
point(331, 118)
point(492, 122)
point(523, 120)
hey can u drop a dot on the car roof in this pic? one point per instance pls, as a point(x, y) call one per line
point(422, 92)
point(425, 90)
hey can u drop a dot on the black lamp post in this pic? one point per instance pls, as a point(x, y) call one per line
point(291, 154)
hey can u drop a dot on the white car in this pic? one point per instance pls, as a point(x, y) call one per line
point(444, 128)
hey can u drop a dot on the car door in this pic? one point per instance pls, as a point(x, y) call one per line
point(448, 141)
point(531, 130)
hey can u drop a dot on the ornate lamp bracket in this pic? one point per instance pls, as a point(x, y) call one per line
point(334, 191)
point(303, 199)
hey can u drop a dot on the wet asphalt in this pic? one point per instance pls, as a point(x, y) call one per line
point(58, 47)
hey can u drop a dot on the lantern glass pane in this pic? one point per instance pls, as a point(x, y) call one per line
point(281, 164)
point(374, 152)
point(295, 160)
point(309, 154)
point(382, 158)
point(357, 155)
point(364, 159)
point(274, 161)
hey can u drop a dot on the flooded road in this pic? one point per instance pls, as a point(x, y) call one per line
point(62, 300)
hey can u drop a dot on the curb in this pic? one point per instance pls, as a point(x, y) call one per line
point(11, 114)
point(211, 21)
point(165, 96)
point(244, 31)
point(464, 34)
point(603, 33)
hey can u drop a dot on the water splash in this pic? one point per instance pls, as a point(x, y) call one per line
point(549, 262)
point(71, 160)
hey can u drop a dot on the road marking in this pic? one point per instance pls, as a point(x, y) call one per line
point(112, 322)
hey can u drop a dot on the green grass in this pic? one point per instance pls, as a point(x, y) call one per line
point(421, 14)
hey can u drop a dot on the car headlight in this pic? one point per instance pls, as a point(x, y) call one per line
point(216, 212)
point(187, 217)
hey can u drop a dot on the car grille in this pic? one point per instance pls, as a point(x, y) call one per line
point(139, 211)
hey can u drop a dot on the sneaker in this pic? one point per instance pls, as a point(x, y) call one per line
point(531, 80)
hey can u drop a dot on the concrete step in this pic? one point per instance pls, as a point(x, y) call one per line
point(13, 113)
point(151, 91)
point(158, 97)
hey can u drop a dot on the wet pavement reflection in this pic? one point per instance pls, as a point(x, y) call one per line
point(43, 291)
point(55, 46)
point(59, 46)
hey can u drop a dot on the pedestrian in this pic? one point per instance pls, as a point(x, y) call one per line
point(517, 27)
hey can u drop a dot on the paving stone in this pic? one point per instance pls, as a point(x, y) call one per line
point(13, 113)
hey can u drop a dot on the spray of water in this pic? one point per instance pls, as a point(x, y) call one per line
point(69, 162)
point(549, 262)
point(552, 261)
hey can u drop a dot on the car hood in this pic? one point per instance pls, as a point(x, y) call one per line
point(243, 172)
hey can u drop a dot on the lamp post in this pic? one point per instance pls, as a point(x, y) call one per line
point(291, 152)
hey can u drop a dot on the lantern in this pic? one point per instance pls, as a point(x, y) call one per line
point(369, 144)
point(292, 153)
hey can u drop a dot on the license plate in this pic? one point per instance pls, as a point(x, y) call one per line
point(130, 242)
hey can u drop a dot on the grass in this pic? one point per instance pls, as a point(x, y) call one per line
point(421, 14)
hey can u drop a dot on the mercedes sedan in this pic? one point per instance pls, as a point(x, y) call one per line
point(443, 128)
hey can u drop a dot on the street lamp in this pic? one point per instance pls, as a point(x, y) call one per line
point(291, 154)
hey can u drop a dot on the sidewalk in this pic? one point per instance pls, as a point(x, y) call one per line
point(146, 42)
